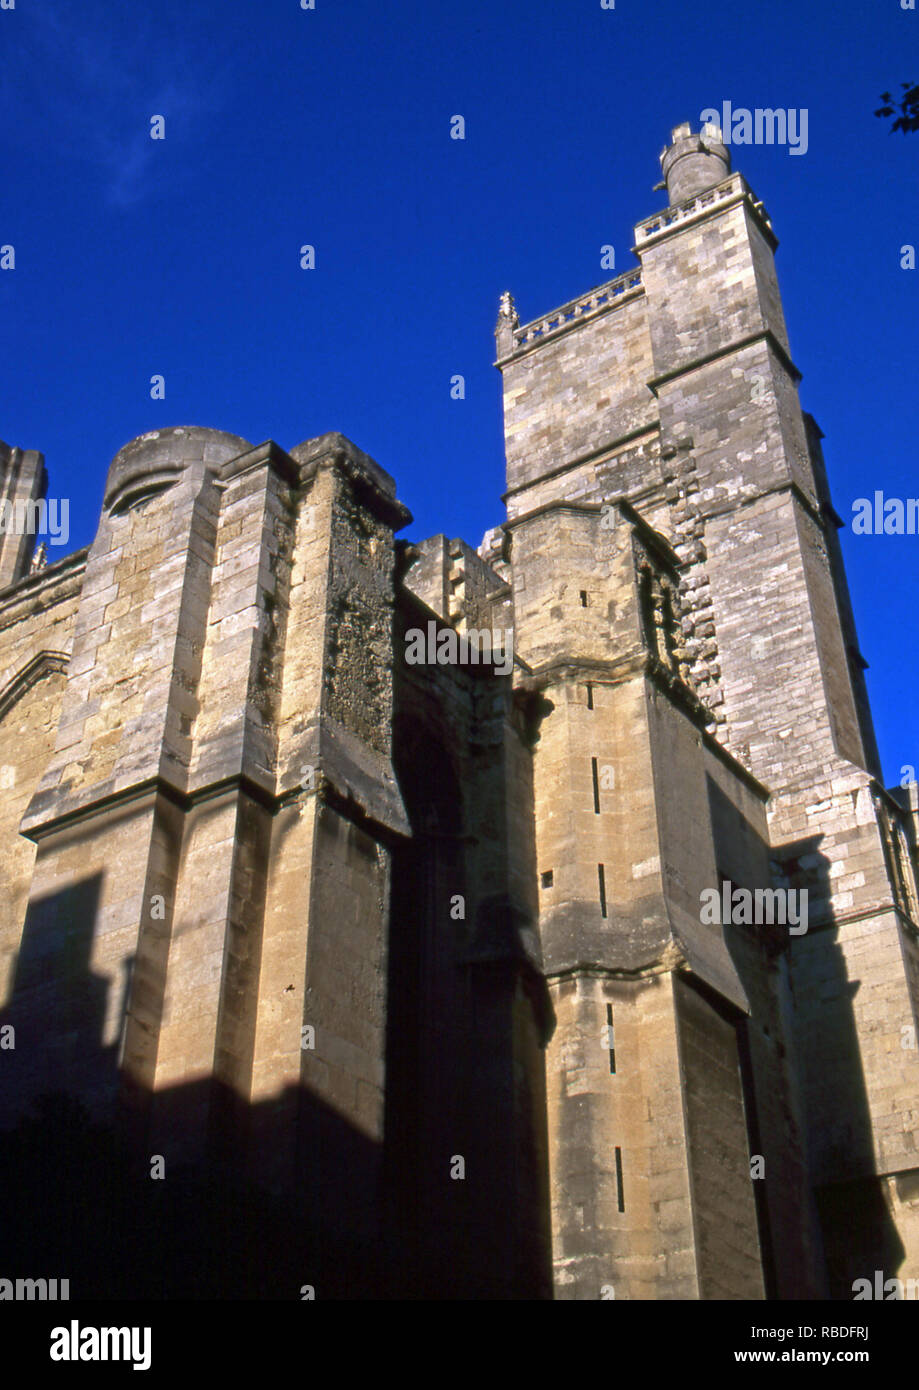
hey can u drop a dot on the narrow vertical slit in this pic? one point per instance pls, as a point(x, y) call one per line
point(593, 768)
point(619, 1190)
point(590, 696)
point(602, 880)
point(610, 1035)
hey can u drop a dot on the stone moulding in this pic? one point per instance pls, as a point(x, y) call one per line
point(46, 663)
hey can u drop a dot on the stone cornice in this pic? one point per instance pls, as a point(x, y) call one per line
point(375, 487)
point(50, 585)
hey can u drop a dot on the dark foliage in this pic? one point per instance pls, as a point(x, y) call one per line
point(908, 119)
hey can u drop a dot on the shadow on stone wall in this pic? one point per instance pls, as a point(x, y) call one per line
point(859, 1235)
point(800, 1038)
point(359, 1219)
point(465, 1067)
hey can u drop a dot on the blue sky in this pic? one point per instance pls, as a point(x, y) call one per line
point(331, 127)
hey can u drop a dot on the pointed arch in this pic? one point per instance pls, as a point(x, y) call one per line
point(46, 663)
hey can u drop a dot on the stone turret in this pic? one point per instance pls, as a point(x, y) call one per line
point(693, 163)
point(154, 461)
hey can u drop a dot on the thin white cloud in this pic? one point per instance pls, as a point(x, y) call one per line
point(85, 85)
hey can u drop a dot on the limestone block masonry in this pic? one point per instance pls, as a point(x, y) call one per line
point(414, 953)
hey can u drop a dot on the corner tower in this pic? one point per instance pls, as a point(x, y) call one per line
point(666, 400)
point(765, 554)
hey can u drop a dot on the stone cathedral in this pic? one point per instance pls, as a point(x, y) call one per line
point(327, 973)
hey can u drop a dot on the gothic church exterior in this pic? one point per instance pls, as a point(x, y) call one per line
point(411, 952)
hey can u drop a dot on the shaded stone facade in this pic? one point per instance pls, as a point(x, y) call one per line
point(411, 953)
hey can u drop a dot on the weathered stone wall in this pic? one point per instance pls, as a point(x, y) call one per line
point(465, 1066)
point(624, 844)
point(788, 1224)
point(36, 633)
point(181, 798)
point(724, 1220)
point(621, 1202)
point(572, 396)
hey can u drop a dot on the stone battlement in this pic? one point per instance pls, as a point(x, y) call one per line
point(730, 190)
point(586, 306)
